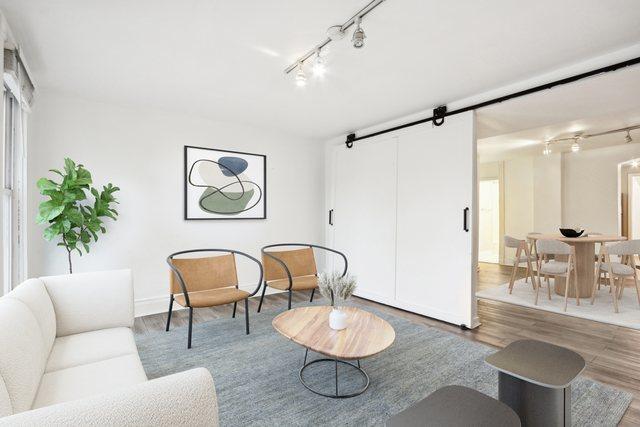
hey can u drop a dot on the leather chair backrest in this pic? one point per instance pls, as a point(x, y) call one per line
point(201, 274)
point(300, 262)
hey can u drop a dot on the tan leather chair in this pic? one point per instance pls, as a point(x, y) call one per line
point(207, 282)
point(293, 269)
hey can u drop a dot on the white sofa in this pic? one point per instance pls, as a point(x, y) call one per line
point(68, 357)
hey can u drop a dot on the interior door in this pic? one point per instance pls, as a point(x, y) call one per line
point(364, 214)
point(436, 181)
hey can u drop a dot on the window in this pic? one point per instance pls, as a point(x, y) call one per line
point(13, 257)
point(9, 101)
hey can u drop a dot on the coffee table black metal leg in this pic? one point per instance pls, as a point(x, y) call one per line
point(337, 394)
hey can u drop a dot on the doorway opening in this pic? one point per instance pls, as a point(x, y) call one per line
point(489, 221)
point(634, 206)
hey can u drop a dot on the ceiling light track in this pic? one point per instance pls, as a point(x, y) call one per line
point(627, 129)
point(358, 36)
point(575, 146)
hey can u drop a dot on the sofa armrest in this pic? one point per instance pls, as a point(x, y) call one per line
point(186, 398)
point(90, 301)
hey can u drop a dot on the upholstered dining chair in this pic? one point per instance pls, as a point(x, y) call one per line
point(617, 272)
point(208, 282)
point(539, 258)
point(293, 269)
point(558, 268)
point(523, 255)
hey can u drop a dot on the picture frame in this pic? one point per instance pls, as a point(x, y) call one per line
point(224, 185)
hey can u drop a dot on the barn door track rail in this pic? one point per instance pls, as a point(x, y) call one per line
point(440, 113)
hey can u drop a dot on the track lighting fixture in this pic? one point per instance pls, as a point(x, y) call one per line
point(319, 67)
point(301, 77)
point(358, 35)
point(575, 147)
point(334, 34)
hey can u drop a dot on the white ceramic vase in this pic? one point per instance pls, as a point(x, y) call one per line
point(337, 319)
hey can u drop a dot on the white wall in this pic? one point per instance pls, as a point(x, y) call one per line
point(518, 200)
point(547, 193)
point(590, 187)
point(141, 151)
point(633, 181)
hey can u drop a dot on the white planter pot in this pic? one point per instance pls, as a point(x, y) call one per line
point(337, 319)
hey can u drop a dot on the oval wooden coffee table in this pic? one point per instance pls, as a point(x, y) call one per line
point(365, 335)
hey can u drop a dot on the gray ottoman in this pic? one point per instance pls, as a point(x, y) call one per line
point(535, 381)
point(456, 406)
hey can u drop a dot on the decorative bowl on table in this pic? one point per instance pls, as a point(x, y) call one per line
point(571, 232)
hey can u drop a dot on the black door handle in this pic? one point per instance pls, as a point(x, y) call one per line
point(330, 216)
point(465, 216)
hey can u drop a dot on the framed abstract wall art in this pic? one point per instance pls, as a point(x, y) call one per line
point(220, 184)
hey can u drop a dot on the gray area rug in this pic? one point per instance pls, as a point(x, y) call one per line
point(256, 376)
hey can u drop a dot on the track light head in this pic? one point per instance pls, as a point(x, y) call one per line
point(628, 138)
point(319, 67)
point(335, 32)
point(547, 149)
point(358, 35)
point(575, 147)
point(301, 77)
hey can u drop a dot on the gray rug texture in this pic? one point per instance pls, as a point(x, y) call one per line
point(256, 375)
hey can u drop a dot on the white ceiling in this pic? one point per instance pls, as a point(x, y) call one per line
point(598, 104)
point(224, 59)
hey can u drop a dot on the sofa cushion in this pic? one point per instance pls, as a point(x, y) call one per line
point(87, 380)
point(5, 401)
point(22, 353)
point(33, 293)
point(91, 301)
point(89, 347)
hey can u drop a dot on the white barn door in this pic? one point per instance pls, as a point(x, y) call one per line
point(404, 216)
point(436, 180)
point(365, 214)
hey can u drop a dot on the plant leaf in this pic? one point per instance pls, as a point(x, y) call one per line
point(46, 184)
point(48, 210)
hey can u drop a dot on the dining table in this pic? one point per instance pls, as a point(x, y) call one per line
point(585, 249)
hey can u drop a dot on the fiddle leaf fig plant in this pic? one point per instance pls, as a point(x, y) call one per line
point(69, 214)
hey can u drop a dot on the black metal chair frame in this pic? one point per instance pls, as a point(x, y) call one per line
point(286, 269)
point(183, 286)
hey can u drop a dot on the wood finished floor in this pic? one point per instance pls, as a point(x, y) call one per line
point(612, 352)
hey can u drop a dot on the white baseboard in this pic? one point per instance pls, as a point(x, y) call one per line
point(147, 306)
point(160, 304)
